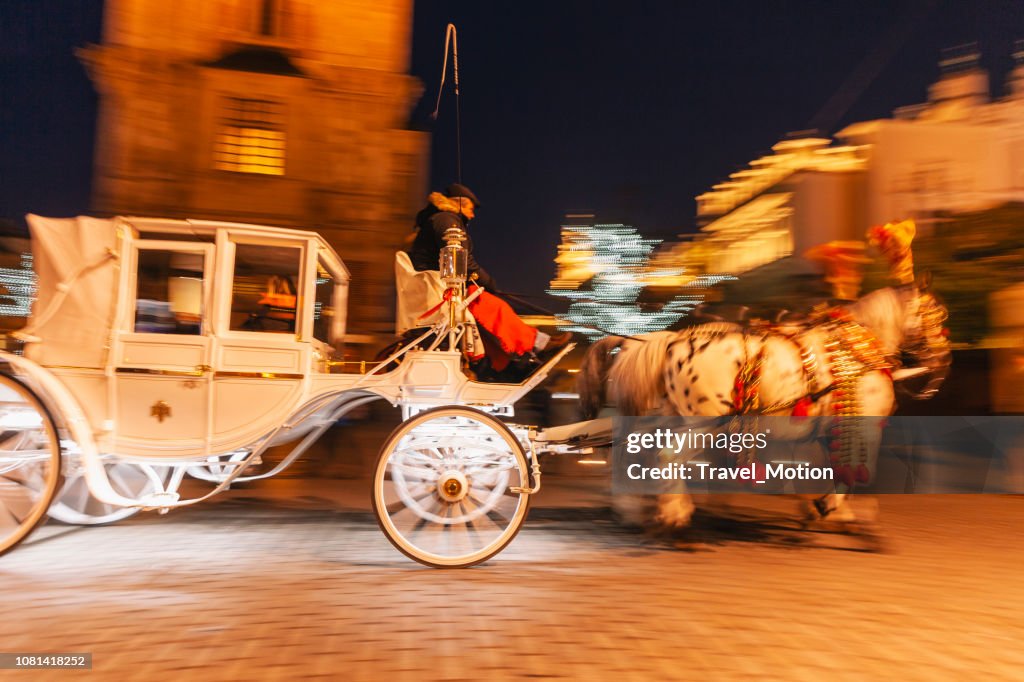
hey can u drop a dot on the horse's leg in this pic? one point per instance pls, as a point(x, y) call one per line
point(674, 510)
point(634, 510)
point(814, 507)
point(675, 506)
point(699, 376)
point(828, 507)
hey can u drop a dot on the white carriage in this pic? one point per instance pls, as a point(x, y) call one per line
point(158, 348)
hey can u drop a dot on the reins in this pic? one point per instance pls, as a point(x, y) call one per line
point(557, 316)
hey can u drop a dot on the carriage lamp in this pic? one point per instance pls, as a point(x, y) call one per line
point(454, 258)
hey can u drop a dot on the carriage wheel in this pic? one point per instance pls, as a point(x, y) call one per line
point(443, 487)
point(30, 462)
point(76, 506)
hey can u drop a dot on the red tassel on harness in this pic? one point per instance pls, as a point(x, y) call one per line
point(846, 475)
point(802, 408)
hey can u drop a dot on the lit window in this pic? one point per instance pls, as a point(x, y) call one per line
point(269, 17)
point(251, 137)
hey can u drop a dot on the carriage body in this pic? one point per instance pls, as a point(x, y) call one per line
point(189, 339)
point(170, 335)
point(172, 346)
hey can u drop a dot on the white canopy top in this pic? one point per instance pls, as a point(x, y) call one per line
point(76, 261)
point(71, 323)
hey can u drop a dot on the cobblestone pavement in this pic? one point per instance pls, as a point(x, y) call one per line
point(293, 580)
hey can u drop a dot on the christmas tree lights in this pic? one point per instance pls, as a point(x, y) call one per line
point(17, 288)
point(602, 270)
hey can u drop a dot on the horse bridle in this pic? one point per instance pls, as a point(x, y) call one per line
point(929, 342)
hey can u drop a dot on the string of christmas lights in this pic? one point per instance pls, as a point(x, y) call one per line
point(17, 288)
point(602, 270)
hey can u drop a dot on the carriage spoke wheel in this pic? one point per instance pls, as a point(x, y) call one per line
point(443, 487)
point(30, 462)
point(75, 505)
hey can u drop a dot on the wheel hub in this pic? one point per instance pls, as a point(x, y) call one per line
point(452, 486)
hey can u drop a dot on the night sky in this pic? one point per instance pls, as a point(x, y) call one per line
point(625, 109)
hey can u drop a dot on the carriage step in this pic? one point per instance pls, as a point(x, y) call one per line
point(161, 501)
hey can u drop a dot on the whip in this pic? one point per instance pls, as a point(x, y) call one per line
point(451, 38)
point(451, 44)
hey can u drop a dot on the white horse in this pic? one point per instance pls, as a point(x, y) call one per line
point(694, 372)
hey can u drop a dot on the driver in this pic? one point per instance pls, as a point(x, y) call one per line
point(455, 208)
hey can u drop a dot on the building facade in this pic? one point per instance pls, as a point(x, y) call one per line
point(279, 112)
point(960, 151)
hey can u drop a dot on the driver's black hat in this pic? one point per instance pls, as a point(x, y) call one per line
point(456, 190)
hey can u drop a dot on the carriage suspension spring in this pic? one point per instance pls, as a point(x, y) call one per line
point(534, 467)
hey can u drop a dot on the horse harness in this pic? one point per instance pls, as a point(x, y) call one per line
point(851, 351)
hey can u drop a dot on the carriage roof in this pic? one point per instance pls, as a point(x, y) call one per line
point(76, 264)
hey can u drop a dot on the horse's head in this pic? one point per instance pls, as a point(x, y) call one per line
point(908, 320)
point(925, 340)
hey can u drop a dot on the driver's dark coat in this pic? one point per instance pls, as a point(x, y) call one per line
point(431, 224)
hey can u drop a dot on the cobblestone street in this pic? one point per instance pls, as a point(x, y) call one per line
point(293, 580)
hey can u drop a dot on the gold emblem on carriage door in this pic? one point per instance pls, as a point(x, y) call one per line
point(160, 410)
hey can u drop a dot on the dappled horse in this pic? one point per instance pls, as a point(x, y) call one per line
point(837, 362)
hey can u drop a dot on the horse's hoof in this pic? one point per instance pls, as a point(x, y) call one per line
point(873, 539)
point(869, 536)
point(819, 509)
point(668, 527)
point(674, 521)
point(659, 533)
point(807, 514)
point(878, 545)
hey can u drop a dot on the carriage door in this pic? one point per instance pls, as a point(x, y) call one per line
point(163, 350)
point(262, 355)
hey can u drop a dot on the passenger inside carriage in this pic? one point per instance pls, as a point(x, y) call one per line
point(263, 296)
point(168, 295)
point(507, 339)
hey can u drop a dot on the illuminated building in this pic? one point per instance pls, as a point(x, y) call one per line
point(604, 268)
point(19, 288)
point(958, 152)
point(803, 194)
point(275, 112)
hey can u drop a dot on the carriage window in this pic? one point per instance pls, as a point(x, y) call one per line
point(323, 306)
point(169, 292)
point(264, 296)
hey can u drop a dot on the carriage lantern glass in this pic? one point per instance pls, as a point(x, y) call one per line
point(454, 259)
point(324, 307)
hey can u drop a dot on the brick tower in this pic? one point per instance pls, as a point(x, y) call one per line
point(279, 112)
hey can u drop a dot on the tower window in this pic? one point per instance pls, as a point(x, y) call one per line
point(250, 138)
point(268, 18)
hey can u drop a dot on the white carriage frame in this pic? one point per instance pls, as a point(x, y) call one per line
point(101, 411)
